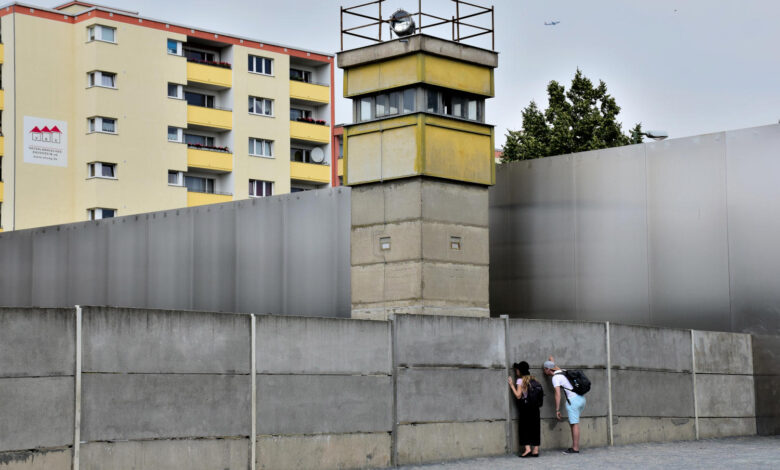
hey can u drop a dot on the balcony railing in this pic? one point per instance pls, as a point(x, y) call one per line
point(298, 79)
point(319, 122)
point(203, 191)
point(224, 65)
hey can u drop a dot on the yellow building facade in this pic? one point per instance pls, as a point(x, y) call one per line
point(107, 113)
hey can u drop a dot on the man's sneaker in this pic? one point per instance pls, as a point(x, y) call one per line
point(571, 451)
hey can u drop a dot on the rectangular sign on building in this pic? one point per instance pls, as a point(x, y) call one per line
point(45, 141)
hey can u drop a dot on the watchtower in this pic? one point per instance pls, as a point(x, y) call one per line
point(419, 158)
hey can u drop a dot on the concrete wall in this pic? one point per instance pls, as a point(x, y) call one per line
point(253, 255)
point(176, 389)
point(678, 234)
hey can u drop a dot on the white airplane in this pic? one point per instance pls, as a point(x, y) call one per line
point(551, 23)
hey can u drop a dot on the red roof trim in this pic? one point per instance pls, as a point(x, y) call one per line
point(139, 21)
point(36, 130)
point(55, 129)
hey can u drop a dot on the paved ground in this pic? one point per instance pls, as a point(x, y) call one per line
point(735, 453)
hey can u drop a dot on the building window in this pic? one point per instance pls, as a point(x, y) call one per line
point(262, 106)
point(409, 95)
point(101, 33)
point(258, 188)
point(300, 155)
point(175, 91)
point(102, 124)
point(261, 65)
point(199, 140)
point(199, 99)
point(101, 79)
point(175, 178)
point(364, 108)
point(300, 75)
point(175, 134)
point(200, 55)
point(298, 114)
point(101, 170)
point(100, 213)
point(197, 184)
point(260, 147)
point(174, 47)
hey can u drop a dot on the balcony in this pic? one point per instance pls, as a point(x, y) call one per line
point(214, 76)
point(209, 118)
point(201, 199)
point(2, 99)
point(306, 131)
point(309, 92)
point(2, 53)
point(1, 191)
point(2, 145)
point(209, 158)
point(313, 172)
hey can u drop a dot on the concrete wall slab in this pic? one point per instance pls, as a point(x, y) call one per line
point(557, 434)
point(436, 243)
point(308, 404)
point(712, 428)
point(324, 451)
point(435, 395)
point(37, 342)
point(405, 243)
point(652, 394)
point(455, 282)
point(723, 353)
point(597, 401)
point(36, 412)
point(322, 346)
point(148, 341)
point(454, 203)
point(390, 202)
point(633, 430)
point(141, 406)
point(439, 341)
point(184, 454)
point(420, 443)
point(729, 396)
point(637, 347)
point(573, 344)
point(54, 459)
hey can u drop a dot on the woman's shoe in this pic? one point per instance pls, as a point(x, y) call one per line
point(534, 455)
point(522, 456)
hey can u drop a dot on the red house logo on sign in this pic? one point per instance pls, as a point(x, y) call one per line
point(46, 135)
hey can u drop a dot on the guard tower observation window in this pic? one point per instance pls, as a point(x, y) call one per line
point(410, 100)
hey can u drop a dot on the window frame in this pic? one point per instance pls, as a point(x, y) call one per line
point(267, 188)
point(95, 33)
point(95, 79)
point(179, 134)
point(265, 101)
point(95, 170)
point(179, 178)
point(96, 213)
point(95, 125)
point(179, 47)
point(253, 146)
point(252, 64)
point(179, 91)
point(307, 75)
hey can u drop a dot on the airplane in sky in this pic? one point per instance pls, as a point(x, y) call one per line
point(551, 23)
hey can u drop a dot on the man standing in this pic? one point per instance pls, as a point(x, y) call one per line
point(574, 403)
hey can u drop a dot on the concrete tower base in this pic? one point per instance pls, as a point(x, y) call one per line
point(419, 246)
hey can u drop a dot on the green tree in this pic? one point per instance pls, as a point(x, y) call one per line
point(582, 118)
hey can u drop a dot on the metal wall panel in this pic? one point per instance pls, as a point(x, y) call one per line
point(711, 257)
point(532, 231)
point(687, 236)
point(611, 234)
point(285, 254)
point(753, 171)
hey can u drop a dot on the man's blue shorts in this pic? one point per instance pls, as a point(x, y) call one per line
point(574, 407)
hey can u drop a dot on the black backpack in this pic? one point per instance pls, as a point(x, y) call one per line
point(580, 384)
point(535, 394)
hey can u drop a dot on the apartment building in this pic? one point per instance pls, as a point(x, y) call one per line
point(109, 113)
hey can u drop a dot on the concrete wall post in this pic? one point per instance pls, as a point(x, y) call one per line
point(609, 389)
point(693, 374)
point(77, 395)
point(253, 372)
point(508, 427)
point(394, 365)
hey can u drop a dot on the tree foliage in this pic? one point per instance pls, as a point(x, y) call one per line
point(582, 118)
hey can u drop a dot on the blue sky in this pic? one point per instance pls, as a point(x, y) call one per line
point(684, 66)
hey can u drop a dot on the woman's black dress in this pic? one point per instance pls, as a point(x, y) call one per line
point(528, 423)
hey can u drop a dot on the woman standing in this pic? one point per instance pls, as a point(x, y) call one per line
point(527, 391)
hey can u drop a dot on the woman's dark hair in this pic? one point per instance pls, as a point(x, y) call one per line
point(521, 367)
